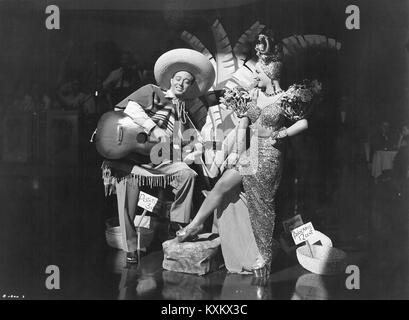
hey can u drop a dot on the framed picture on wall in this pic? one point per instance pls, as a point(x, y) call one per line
point(16, 137)
point(62, 137)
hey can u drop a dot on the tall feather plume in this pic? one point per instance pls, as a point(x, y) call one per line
point(298, 43)
point(226, 62)
point(242, 47)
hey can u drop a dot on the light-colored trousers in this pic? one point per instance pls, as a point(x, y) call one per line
point(128, 192)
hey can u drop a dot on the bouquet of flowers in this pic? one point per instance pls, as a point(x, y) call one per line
point(236, 99)
point(298, 100)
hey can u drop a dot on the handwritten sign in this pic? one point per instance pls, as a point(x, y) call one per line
point(303, 233)
point(146, 201)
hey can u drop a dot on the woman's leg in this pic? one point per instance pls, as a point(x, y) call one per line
point(230, 179)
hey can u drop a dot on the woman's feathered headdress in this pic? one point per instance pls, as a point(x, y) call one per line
point(270, 54)
point(268, 50)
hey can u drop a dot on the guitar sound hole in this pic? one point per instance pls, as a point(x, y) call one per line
point(141, 137)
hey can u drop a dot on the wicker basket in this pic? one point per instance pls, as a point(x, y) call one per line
point(113, 235)
point(326, 260)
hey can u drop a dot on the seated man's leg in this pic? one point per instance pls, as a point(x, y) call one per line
point(127, 194)
point(183, 186)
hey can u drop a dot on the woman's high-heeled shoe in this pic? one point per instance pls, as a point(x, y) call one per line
point(188, 233)
point(261, 272)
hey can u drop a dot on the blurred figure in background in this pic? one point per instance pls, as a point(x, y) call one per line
point(34, 100)
point(401, 162)
point(101, 99)
point(383, 139)
point(126, 79)
point(71, 97)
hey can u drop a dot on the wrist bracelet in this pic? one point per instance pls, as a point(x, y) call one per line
point(282, 134)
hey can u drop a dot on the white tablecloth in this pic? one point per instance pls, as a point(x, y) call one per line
point(382, 160)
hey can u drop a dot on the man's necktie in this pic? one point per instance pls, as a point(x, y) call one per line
point(180, 106)
point(180, 120)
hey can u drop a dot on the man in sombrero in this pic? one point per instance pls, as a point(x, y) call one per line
point(164, 112)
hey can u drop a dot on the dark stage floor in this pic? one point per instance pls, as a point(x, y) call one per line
point(56, 216)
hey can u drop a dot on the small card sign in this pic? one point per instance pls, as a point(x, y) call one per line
point(303, 233)
point(146, 201)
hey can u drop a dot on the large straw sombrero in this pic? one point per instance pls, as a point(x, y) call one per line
point(185, 60)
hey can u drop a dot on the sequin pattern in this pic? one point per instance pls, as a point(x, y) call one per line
point(261, 168)
point(253, 113)
point(272, 116)
point(260, 181)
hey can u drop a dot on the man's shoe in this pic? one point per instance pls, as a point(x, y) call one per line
point(132, 257)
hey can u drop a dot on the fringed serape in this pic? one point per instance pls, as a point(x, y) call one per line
point(161, 175)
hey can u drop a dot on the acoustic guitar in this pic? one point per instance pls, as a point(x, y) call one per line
point(117, 135)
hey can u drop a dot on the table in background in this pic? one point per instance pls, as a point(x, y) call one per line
point(382, 160)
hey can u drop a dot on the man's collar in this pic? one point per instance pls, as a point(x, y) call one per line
point(169, 94)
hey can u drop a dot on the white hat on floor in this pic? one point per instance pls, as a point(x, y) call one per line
point(188, 60)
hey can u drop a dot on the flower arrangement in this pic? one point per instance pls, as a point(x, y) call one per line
point(299, 98)
point(237, 99)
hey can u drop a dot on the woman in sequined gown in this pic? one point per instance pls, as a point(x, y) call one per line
point(247, 238)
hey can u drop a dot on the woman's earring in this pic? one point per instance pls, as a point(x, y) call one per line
point(272, 82)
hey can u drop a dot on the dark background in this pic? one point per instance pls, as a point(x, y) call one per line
point(55, 213)
point(374, 61)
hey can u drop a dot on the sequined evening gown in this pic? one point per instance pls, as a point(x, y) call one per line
point(247, 235)
point(247, 222)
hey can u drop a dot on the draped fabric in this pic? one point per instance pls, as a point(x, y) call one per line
point(159, 105)
point(247, 236)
